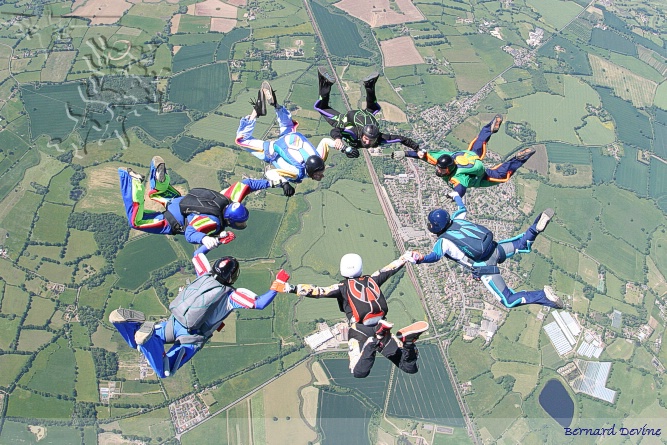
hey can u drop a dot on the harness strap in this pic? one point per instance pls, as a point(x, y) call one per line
point(176, 227)
point(169, 337)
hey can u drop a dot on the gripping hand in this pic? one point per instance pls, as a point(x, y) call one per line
point(226, 237)
point(288, 190)
point(280, 284)
point(412, 256)
point(398, 154)
point(351, 152)
point(209, 242)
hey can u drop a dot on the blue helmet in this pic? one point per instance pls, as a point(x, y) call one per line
point(438, 221)
point(236, 215)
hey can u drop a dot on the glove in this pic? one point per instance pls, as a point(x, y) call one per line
point(209, 242)
point(412, 256)
point(398, 154)
point(476, 273)
point(226, 237)
point(288, 190)
point(338, 144)
point(421, 154)
point(453, 195)
point(351, 152)
point(281, 287)
point(280, 284)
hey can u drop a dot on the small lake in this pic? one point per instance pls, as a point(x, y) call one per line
point(556, 401)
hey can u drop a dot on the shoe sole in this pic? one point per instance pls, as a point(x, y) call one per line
point(524, 154)
point(144, 333)
point(371, 76)
point(135, 175)
point(124, 315)
point(545, 217)
point(160, 168)
point(548, 291)
point(497, 122)
point(414, 328)
point(267, 91)
point(328, 77)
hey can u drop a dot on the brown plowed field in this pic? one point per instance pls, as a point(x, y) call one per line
point(379, 13)
point(400, 51)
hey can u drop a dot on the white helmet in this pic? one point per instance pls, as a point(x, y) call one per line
point(351, 265)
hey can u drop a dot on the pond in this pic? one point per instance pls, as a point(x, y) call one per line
point(556, 401)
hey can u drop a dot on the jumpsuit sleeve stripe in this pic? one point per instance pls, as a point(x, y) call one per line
point(241, 300)
point(203, 224)
point(236, 192)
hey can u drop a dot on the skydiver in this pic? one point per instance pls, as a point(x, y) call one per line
point(356, 128)
point(365, 307)
point(463, 169)
point(196, 313)
point(292, 155)
point(201, 215)
point(472, 246)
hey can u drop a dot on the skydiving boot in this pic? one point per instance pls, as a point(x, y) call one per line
point(324, 77)
point(495, 123)
point(411, 333)
point(160, 168)
point(144, 333)
point(121, 315)
point(369, 81)
point(542, 221)
point(134, 175)
point(524, 155)
point(551, 296)
point(269, 94)
point(259, 105)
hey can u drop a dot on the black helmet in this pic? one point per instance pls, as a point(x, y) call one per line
point(372, 132)
point(445, 166)
point(226, 270)
point(314, 164)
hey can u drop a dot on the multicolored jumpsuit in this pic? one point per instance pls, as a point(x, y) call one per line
point(487, 270)
point(470, 171)
point(349, 126)
point(196, 226)
point(363, 343)
point(287, 153)
point(166, 363)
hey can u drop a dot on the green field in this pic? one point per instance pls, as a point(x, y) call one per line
point(344, 39)
point(55, 359)
point(428, 395)
point(11, 365)
point(14, 301)
point(86, 381)
point(26, 404)
point(202, 88)
point(59, 187)
point(486, 393)
point(195, 55)
point(618, 255)
point(658, 183)
point(17, 222)
point(240, 385)
point(52, 223)
point(229, 40)
point(633, 126)
point(40, 311)
point(373, 389)
point(563, 153)
point(603, 166)
point(631, 174)
point(469, 361)
point(214, 363)
point(8, 330)
point(132, 267)
point(342, 419)
point(154, 424)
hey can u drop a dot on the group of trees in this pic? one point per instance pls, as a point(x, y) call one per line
point(106, 363)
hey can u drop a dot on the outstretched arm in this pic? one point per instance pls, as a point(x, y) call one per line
point(312, 291)
point(382, 275)
point(239, 190)
point(394, 138)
